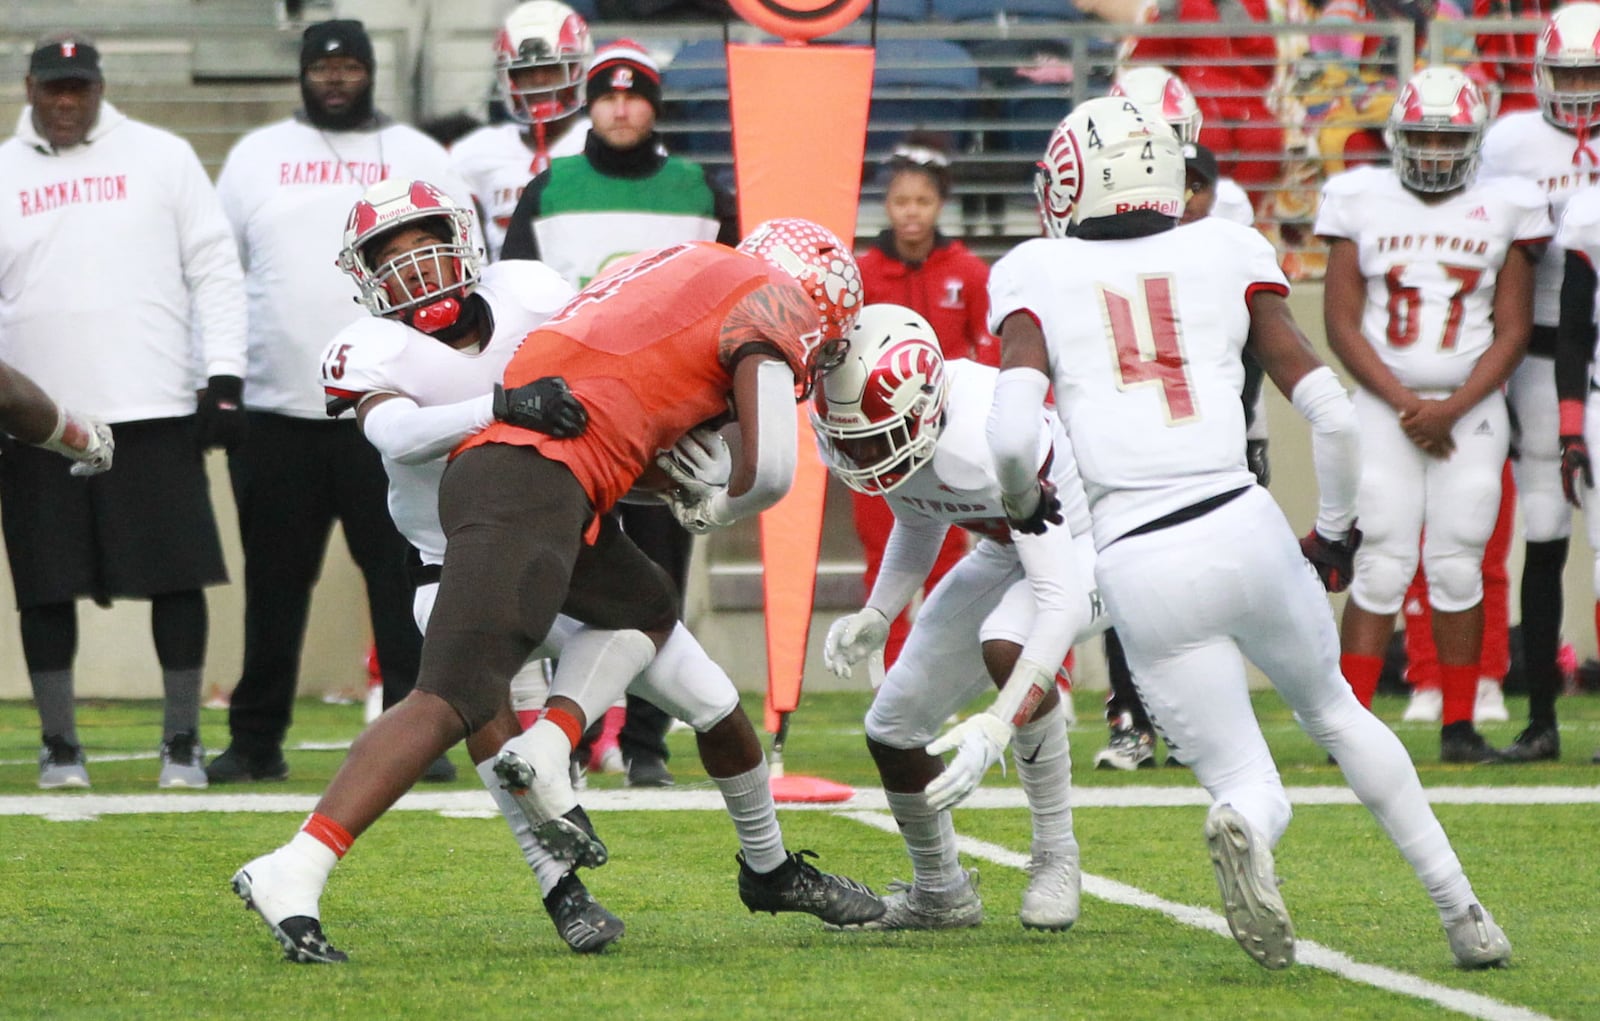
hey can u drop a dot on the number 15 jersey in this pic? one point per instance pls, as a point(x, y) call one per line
point(1144, 337)
point(1430, 267)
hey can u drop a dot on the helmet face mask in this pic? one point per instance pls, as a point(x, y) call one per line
point(1159, 90)
point(541, 59)
point(825, 267)
point(422, 285)
point(1109, 156)
point(1566, 67)
point(1436, 130)
point(878, 414)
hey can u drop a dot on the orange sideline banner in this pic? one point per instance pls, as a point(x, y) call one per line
point(794, 158)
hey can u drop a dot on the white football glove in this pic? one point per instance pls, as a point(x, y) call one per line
point(84, 440)
point(852, 639)
point(699, 463)
point(979, 742)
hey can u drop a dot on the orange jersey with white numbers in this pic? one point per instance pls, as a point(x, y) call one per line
point(650, 350)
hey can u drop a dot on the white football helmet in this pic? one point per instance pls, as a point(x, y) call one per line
point(1437, 101)
point(822, 264)
point(543, 33)
point(1568, 45)
point(385, 290)
point(1107, 157)
point(1156, 88)
point(878, 413)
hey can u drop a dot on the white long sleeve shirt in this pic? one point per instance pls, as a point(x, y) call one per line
point(115, 263)
point(287, 189)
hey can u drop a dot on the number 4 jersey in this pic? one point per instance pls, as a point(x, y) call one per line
point(1144, 338)
point(1430, 267)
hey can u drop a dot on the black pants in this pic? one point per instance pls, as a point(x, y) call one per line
point(291, 480)
point(659, 536)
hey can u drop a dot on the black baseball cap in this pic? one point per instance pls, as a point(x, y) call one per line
point(1197, 159)
point(63, 57)
point(342, 37)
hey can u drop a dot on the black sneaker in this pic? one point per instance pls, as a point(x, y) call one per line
point(235, 766)
point(1538, 742)
point(581, 920)
point(442, 770)
point(648, 771)
point(1459, 742)
point(798, 885)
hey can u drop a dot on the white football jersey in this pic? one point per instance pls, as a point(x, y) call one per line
point(1579, 231)
point(959, 486)
point(1525, 145)
point(1144, 337)
point(1430, 267)
point(497, 164)
point(382, 356)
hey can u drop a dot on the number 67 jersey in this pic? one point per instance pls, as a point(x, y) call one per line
point(1144, 337)
point(1430, 267)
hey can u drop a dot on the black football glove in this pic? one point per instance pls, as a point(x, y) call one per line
point(1335, 561)
point(1255, 458)
point(546, 405)
point(219, 417)
point(1045, 514)
point(1575, 467)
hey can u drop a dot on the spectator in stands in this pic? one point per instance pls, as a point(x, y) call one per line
point(287, 189)
point(540, 58)
point(912, 263)
point(624, 195)
point(119, 288)
point(1505, 59)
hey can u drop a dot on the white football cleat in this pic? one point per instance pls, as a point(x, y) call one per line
point(535, 769)
point(1477, 941)
point(1054, 892)
point(1250, 898)
point(1426, 706)
point(286, 899)
point(1490, 704)
point(909, 907)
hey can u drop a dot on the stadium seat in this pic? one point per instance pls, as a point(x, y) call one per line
point(1011, 10)
point(920, 83)
point(694, 88)
point(911, 11)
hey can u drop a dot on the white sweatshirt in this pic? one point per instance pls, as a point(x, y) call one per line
point(115, 262)
point(287, 189)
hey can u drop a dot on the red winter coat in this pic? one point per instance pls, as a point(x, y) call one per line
point(950, 289)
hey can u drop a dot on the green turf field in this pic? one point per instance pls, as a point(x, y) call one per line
point(115, 904)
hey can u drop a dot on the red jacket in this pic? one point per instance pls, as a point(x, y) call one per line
point(950, 289)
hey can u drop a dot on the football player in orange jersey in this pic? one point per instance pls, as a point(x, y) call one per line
point(590, 401)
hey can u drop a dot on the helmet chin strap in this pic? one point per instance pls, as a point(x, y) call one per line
point(440, 315)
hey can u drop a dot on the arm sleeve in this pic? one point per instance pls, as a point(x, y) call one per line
point(1254, 420)
point(1575, 337)
point(908, 556)
point(1335, 449)
point(409, 434)
point(1060, 610)
point(520, 242)
point(1013, 430)
point(210, 266)
point(775, 460)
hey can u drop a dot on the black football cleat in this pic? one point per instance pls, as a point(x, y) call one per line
point(1459, 742)
point(1538, 742)
point(301, 936)
point(581, 920)
point(798, 885)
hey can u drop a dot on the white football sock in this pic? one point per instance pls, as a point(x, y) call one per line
point(930, 839)
point(288, 882)
point(546, 869)
point(755, 817)
point(1044, 765)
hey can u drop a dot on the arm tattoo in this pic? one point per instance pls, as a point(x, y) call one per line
point(774, 316)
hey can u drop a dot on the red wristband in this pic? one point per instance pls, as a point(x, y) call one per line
point(1571, 417)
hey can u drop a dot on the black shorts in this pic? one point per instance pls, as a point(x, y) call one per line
point(515, 556)
point(144, 528)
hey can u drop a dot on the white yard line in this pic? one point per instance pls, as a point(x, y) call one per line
point(1307, 953)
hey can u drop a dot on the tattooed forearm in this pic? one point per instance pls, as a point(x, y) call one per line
point(773, 315)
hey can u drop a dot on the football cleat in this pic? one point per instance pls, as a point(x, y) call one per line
point(546, 799)
point(1426, 705)
point(1129, 748)
point(1537, 742)
point(648, 771)
point(581, 920)
point(301, 936)
point(1490, 704)
point(1477, 941)
point(1054, 892)
point(1459, 742)
point(1250, 898)
point(182, 762)
point(908, 906)
point(61, 764)
point(798, 885)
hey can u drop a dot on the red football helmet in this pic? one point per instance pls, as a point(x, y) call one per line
point(815, 257)
point(413, 286)
point(1437, 107)
point(543, 34)
point(879, 412)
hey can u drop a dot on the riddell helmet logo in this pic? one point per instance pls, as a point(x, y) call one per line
point(1171, 207)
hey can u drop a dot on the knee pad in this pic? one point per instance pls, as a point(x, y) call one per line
point(1455, 582)
point(596, 668)
point(1546, 515)
point(1381, 580)
point(687, 684)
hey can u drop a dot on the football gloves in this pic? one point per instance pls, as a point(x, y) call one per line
point(546, 406)
point(852, 639)
point(219, 416)
point(979, 742)
point(85, 441)
point(1255, 458)
point(1575, 469)
point(1335, 562)
point(699, 463)
point(1044, 513)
